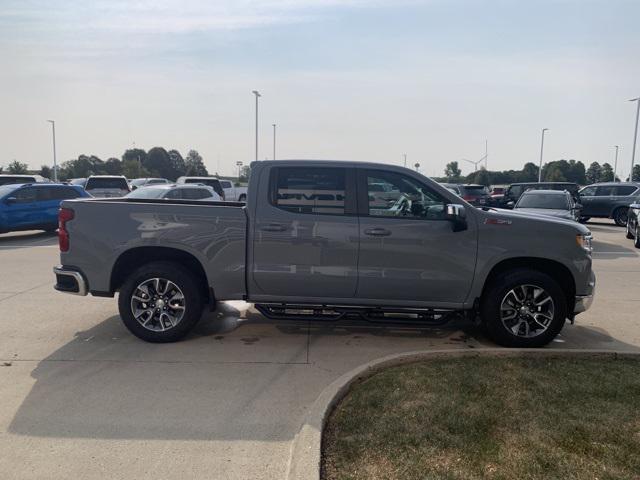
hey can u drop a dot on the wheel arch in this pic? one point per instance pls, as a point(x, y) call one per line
point(553, 268)
point(134, 258)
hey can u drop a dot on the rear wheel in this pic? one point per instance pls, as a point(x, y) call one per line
point(524, 308)
point(636, 240)
point(620, 216)
point(160, 302)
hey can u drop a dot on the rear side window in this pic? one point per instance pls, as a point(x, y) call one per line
point(605, 191)
point(112, 183)
point(56, 193)
point(213, 183)
point(625, 190)
point(196, 193)
point(310, 190)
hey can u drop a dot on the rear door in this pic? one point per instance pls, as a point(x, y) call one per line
point(305, 238)
point(48, 200)
point(603, 201)
point(408, 250)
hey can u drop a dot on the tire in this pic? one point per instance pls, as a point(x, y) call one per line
point(501, 293)
point(242, 198)
point(161, 320)
point(620, 216)
point(629, 235)
point(636, 240)
point(584, 219)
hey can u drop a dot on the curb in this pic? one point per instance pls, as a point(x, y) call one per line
point(305, 455)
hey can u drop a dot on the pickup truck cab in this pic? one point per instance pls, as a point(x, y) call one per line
point(321, 239)
point(233, 193)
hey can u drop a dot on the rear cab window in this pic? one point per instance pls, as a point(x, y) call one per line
point(106, 183)
point(310, 190)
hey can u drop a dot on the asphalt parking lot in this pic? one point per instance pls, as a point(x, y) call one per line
point(80, 397)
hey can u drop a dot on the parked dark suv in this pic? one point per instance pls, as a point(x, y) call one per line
point(608, 200)
point(515, 190)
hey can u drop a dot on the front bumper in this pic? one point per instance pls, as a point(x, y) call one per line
point(583, 302)
point(70, 281)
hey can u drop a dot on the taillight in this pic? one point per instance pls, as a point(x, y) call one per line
point(64, 215)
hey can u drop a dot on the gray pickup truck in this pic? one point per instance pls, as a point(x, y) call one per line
point(324, 239)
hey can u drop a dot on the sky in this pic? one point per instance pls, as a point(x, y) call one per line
point(342, 79)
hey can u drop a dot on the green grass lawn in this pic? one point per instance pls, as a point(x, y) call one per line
point(490, 417)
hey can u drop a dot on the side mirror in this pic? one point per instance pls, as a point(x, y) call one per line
point(457, 215)
point(11, 200)
point(511, 204)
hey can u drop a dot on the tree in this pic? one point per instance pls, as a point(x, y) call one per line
point(195, 165)
point(136, 154)
point(452, 172)
point(133, 169)
point(636, 173)
point(46, 172)
point(555, 174)
point(245, 172)
point(158, 163)
point(577, 172)
point(483, 177)
point(606, 175)
point(17, 168)
point(177, 164)
point(594, 172)
point(529, 172)
point(113, 166)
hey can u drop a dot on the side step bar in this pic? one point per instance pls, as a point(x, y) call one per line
point(399, 316)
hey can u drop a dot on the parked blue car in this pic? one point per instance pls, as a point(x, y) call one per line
point(34, 206)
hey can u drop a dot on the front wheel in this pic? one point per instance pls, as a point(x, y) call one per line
point(524, 308)
point(629, 235)
point(636, 240)
point(160, 302)
point(620, 216)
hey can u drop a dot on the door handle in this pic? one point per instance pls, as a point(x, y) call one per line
point(273, 227)
point(377, 232)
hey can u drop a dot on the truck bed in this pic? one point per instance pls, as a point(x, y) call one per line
point(214, 233)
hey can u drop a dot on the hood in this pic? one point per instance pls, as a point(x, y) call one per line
point(550, 212)
point(534, 217)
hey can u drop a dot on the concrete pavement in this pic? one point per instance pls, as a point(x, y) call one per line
point(81, 397)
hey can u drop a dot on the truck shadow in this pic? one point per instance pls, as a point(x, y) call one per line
point(10, 241)
point(239, 376)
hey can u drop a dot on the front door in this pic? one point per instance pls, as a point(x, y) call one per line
point(305, 238)
point(408, 250)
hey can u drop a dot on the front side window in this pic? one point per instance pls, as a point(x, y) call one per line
point(25, 195)
point(196, 193)
point(310, 190)
point(588, 192)
point(402, 197)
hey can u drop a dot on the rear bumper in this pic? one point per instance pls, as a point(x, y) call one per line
point(69, 281)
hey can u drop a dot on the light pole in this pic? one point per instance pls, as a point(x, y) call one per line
point(541, 152)
point(274, 141)
point(405, 160)
point(486, 154)
point(417, 165)
point(55, 163)
point(635, 137)
point(257, 94)
point(239, 165)
point(615, 163)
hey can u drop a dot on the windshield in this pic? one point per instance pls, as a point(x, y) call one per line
point(14, 180)
point(7, 189)
point(147, 192)
point(114, 183)
point(539, 200)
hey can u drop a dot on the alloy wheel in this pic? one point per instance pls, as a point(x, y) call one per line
point(527, 311)
point(158, 304)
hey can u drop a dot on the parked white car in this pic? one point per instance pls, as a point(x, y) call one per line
point(212, 182)
point(233, 193)
point(105, 186)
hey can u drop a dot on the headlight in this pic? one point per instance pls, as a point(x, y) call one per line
point(584, 241)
